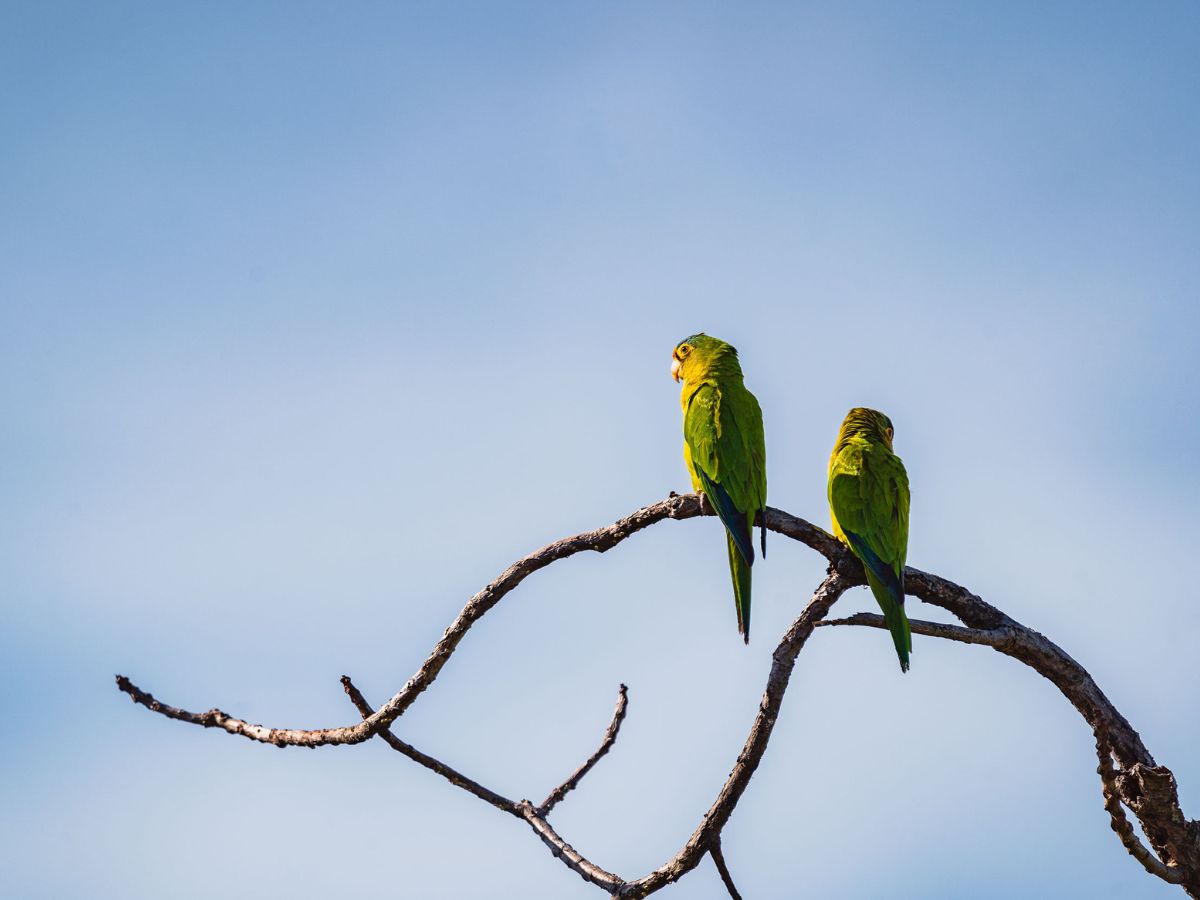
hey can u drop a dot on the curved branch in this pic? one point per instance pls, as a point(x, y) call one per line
point(1039, 653)
point(1144, 787)
point(610, 738)
point(706, 838)
point(783, 660)
point(1008, 636)
point(684, 506)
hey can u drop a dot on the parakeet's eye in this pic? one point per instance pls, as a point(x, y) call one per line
point(683, 351)
point(890, 432)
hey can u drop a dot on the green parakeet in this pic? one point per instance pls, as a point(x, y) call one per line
point(724, 449)
point(868, 500)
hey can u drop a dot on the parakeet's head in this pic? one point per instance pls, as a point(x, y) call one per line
point(700, 354)
point(869, 423)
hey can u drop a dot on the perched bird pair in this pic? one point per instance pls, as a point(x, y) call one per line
point(726, 456)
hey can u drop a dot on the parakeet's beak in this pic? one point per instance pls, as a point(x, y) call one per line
point(675, 368)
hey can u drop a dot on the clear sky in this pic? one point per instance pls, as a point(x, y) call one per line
point(316, 316)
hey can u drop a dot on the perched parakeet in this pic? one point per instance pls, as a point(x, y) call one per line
point(724, 449)
point(868, 499)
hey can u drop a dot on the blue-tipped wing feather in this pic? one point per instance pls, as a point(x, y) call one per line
point(884, 573)
point(734, 519)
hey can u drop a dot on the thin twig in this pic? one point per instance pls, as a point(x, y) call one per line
point(933, 629)
point(719, 858)
point(455, 777)
point(559, 848)
point(610, 738)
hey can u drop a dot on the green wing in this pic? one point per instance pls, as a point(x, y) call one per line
point(727, 454)
point(868, 493)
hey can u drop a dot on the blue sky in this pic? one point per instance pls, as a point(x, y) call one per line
point(314, 318)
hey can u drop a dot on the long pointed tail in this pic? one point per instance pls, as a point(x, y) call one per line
point(739, 569)
point(894, 616)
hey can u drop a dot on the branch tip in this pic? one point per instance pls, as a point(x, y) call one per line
point(606, 743)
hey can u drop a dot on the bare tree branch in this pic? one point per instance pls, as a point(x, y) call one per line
point(783, 660)
point(1120, 824)
point(568, 855)
point(610, 738)
point(684, 506)
point(560, 849)
point(1148, 789)
point(933, 629)
point(719, 859)
point(709, 830)
point(677, 506)
point(455, 777)
point(1144, 787)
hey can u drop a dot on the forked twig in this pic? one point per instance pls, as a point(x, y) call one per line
point(559, 848)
